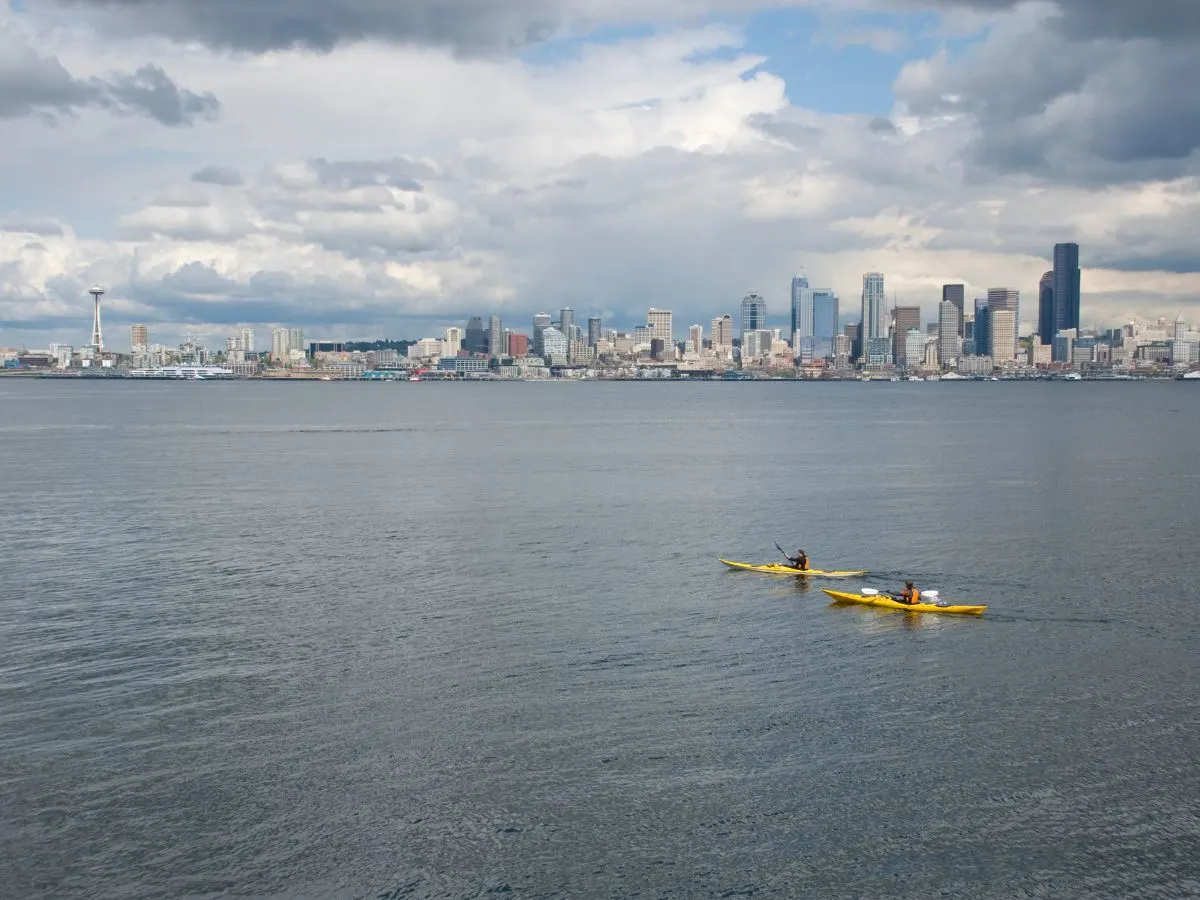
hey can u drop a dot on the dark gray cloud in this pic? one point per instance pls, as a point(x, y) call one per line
point(1168, 20)
point(224, 176)
point(1075, 105)
point(262, 25)
point(32, 84)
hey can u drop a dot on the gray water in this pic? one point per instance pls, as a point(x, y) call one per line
point(380, 641)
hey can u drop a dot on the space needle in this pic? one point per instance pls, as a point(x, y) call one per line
point(97, 334)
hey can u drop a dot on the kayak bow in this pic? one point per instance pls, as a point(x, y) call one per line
point(778, 569)
point(886, 602)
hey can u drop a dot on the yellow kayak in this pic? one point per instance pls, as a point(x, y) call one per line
point(886, 602)
point(779, 569)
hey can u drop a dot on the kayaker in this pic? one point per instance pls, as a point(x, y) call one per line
point(799, 561)
point(910, 594)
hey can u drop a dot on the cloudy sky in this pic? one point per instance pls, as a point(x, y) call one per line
point(370, 168)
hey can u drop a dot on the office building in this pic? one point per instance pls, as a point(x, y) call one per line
point(983, 330)
point(1003, 327)
point(496, 345)
point(914, 348)
point(904, 319)
point(874, 307)
point(554, 346)
point(802, 311)
point(139, 338)
point(595, 330)
point(659, 321)
point(1066, 287)
point(722, 332)
point(281, 344)
point(956, 294)
point(566, 319)
point(541, 322)
point(453, 341)
point(475, 337)
point(1046, 327)
point(246, 336)
point(696, 338)
point(854, 333)
point(754, 314)
point(825, 318)
point(1005, 299)
point(518, 345)
point(948, 339)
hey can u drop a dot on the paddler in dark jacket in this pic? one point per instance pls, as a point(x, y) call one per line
point(799, 561)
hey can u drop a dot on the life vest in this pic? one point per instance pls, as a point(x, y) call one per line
point(916, 596)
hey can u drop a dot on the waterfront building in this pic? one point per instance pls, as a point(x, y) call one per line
point(463, 365)
point(956, 294)
point(1046, 321)
point(1066, 287)
point(874, 307)
point(659, 321)
point(948, 345)
point(754, 314)
point(904, 319)
point(1003, 334)
point(578, 351)
point(595, 330)
point(1064, 345)
point(496, 345)
point(139, 338)
point(841, 351)
point(878, 352)
point(1039, 353)
point(722, 332)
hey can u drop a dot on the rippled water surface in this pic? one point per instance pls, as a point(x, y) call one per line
point(380, 641)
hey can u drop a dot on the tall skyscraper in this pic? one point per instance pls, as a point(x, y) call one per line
point(956, 294)
point(802, 312)
point(722, 332)
point(1046, 328)
point(496, 344)
point(1004, 299)
point(906, 317)
point(296, 339)
point(566, 318)
point(540, 323)
point(139, 338)
point(281, 344)
point(247, 340)
point(874, 307)
point(754, 314)
point(825, 321)
point(475, 338)
point(659, 321)
point(1066, 286)
point(595, 330)
point(983, 328)
point(1003, 327)
point(453, 342)
point(696, 338)
point(948, 339)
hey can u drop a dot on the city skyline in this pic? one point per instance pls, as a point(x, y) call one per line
point(632, 156)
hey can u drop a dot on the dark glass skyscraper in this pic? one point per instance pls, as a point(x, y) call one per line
point(1046, 328)
point(983, 331)
point(594, 330)
point(956, 294)
point(475, 338)
point(1066, 286)
point(754, 313)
